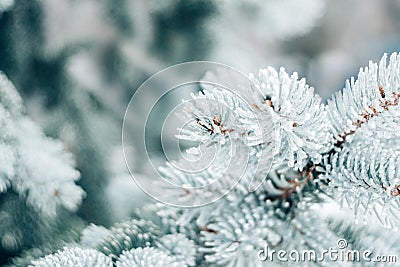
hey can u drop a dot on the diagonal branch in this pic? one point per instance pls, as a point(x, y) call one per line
point(366, 116)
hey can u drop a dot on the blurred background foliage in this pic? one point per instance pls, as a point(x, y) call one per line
point(77, 63)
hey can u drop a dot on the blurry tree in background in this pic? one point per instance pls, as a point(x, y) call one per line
point(76, 64)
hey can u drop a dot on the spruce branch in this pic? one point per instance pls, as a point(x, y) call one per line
point(365, 115)
point(362, 167)
point(74, 257)
point(298, 115)
point(142, 257)
point(216, 114)
point(37, 179)
point(37, 167)
point(122, 236)
point(179, 247)
point(365, 177)
point(364, 98)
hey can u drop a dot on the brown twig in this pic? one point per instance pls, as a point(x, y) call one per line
point(306, 174)
point(366, 116)
point(216, 121)
point(267, 100)
point(395, 191)
point(208, 230)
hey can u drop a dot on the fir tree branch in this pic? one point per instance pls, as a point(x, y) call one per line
point(384, 103)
